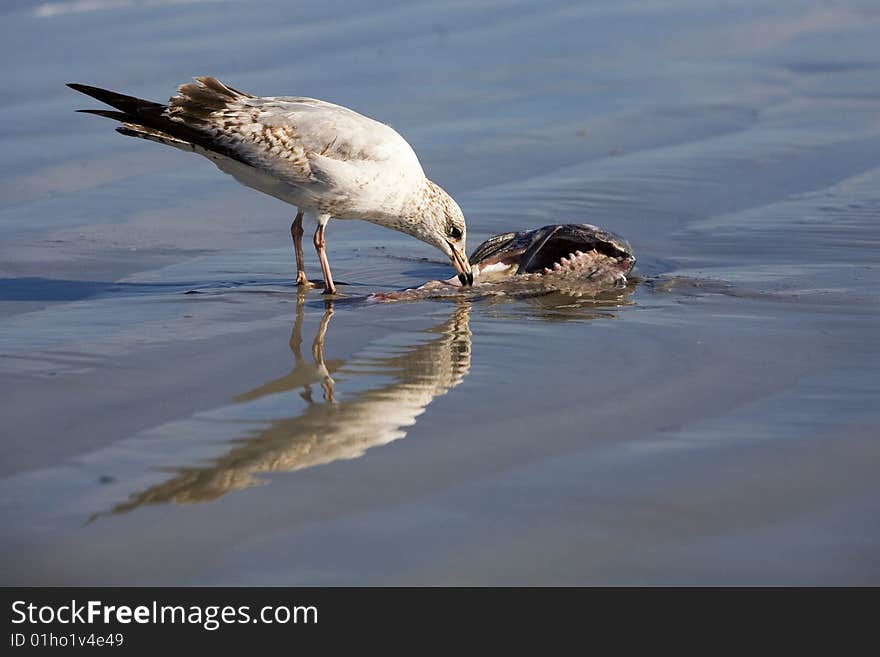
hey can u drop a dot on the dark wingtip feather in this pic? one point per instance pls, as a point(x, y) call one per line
point(94, 92)
point(122, 102)
point(110, 114)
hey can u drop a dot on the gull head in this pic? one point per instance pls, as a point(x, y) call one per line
point(439, 221)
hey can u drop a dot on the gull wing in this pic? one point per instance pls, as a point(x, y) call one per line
point(297, 140)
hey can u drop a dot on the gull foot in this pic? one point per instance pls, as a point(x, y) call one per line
point(301, 280)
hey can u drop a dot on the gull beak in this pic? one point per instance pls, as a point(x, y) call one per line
point(462, 266)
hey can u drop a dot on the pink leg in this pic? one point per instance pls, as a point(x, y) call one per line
point(296, 232)
point(320, 243)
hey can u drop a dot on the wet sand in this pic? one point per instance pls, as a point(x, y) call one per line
point(175, 412)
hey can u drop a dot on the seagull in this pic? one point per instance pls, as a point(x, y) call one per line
point(327, 160)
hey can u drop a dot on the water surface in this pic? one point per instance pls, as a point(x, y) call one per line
point(175, 412)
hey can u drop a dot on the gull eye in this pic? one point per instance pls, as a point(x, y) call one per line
point(455, 233)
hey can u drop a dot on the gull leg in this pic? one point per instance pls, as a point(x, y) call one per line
point(296, 232)
point(320, 243)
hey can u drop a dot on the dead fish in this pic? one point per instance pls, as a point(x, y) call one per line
point(577, 259)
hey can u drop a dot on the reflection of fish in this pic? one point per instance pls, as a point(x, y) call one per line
point(330, 429)
point(577, 259)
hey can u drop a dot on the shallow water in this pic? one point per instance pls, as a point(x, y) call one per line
point(174, 411)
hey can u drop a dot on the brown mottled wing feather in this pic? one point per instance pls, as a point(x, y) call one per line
point(297, 140)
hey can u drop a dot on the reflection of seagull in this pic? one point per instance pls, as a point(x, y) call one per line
point(327, 160)
point(333, 428)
